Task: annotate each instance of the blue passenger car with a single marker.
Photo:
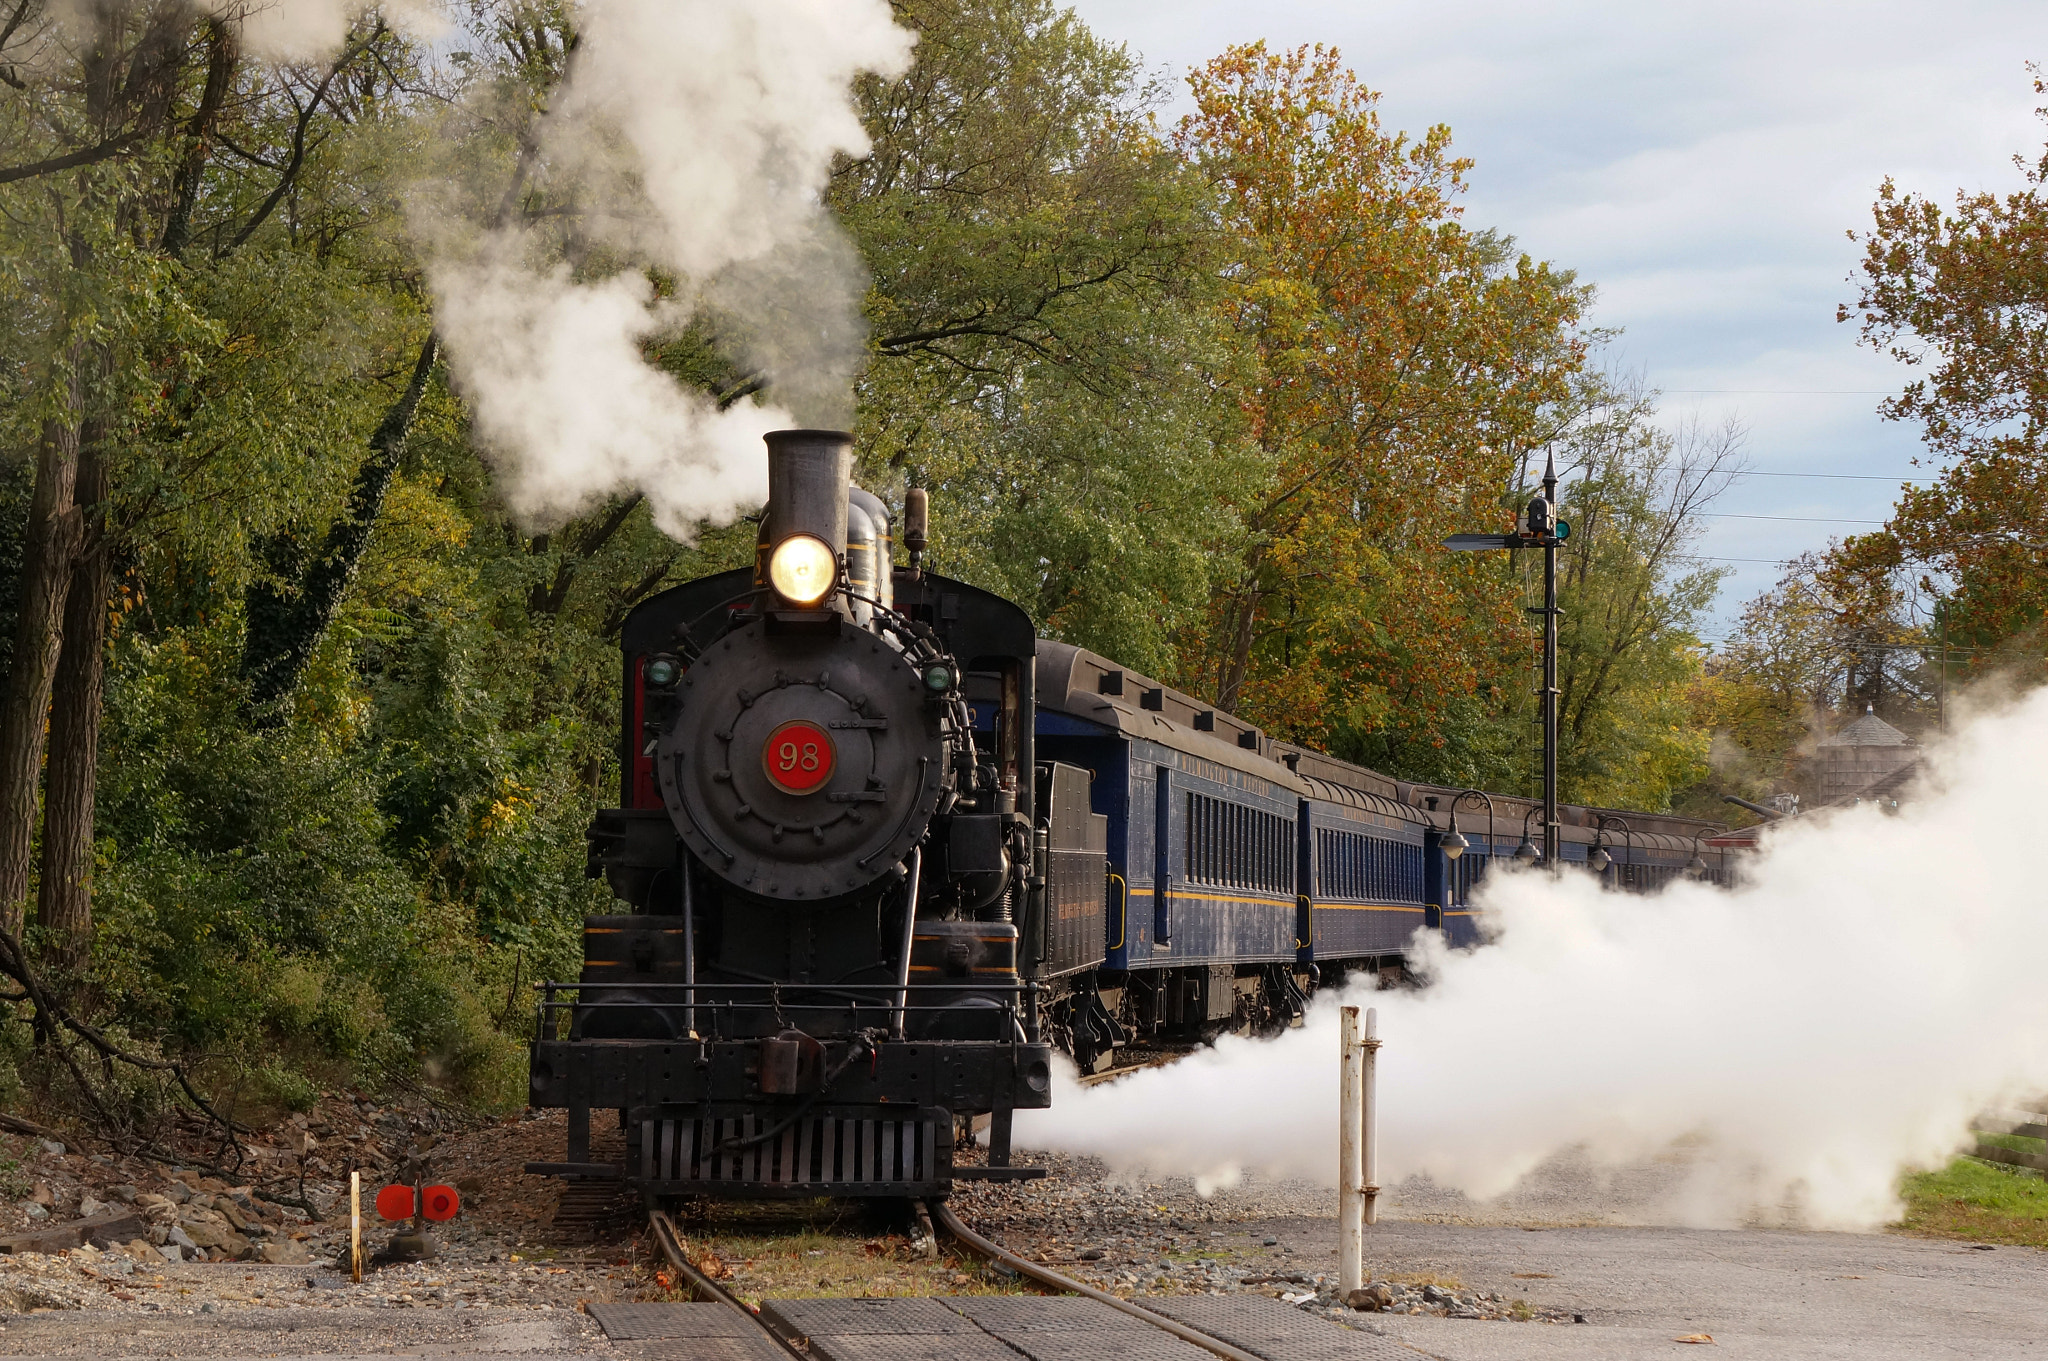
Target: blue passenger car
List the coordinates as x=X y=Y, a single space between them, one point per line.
x=1236 y=873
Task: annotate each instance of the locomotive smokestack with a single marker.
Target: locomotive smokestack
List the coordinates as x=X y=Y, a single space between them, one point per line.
x=804 y=531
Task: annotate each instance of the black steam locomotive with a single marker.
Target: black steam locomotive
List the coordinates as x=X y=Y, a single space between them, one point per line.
x=884 y=850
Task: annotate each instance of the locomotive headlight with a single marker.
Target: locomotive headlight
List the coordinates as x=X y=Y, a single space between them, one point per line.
x=802 y=569
x=938 y=678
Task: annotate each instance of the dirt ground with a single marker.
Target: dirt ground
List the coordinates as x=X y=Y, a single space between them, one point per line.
x=1568 y=1267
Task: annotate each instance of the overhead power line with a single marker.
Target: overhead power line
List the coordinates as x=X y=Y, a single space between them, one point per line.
x=1803 y=519
x=1850 y=477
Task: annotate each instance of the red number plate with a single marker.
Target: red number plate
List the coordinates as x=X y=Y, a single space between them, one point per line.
x=798 y=757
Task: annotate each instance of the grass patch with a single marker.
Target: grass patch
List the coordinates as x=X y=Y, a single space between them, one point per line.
x=1983 y=1202
x=2018 y=1143
x=1418 y=1279
x=827 y=1249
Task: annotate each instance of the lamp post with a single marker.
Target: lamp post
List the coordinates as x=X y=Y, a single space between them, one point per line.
x=1527 y=852
x=1697 y=866
x=1598 y=858
x=1453 y=843
x=1540 y=529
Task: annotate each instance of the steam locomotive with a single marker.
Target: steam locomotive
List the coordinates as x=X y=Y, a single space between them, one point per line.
x=882 y=850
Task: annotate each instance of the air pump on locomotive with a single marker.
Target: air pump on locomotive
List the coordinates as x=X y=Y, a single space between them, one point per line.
x=816 y=986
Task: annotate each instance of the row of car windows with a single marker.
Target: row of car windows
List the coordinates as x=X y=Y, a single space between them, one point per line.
x=1229 y=845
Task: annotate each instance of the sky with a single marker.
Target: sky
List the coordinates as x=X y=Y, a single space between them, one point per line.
x=1702 y=164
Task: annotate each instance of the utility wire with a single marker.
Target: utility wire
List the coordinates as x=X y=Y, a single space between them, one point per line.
x=1803 y=519
x=1850 y=477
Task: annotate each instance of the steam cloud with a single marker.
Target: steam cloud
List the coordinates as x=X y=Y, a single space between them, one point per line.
x=300 y=30
x=690 y=137
x=283 y=30
x=694 y=136
x=1840 y=1018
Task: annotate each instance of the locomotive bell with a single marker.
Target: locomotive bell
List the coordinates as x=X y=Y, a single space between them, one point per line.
x=805 y=528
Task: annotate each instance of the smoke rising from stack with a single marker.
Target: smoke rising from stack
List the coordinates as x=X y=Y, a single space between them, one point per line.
x=694 y=137
x=1800 y=1041
x=690 y=137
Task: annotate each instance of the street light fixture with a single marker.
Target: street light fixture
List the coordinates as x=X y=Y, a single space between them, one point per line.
x=1697 y=866
x=1599 y=858
x=1453 y=843
x=1541 y=529
x=1527 y=852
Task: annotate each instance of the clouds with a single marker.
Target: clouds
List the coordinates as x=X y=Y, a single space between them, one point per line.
x=1700 y=163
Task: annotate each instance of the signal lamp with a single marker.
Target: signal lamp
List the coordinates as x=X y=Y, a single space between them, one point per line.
x=663 y=671
x=802 y=570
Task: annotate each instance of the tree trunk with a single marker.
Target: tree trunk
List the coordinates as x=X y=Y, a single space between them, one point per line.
x=1241 y=628
x=54 y=531
x=64 y=896
x=283 y=632
x=221 y=55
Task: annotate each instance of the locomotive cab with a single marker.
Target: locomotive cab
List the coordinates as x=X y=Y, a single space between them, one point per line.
x=812 y=981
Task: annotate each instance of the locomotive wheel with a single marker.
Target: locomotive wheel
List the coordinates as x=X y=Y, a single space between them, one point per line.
x=802 y=767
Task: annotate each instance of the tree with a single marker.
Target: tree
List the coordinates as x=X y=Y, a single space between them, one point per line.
x=1840 y=632
x=1632 y=589
x=163 y=174
x=1963 y=295
x=1403 y=363
x=1046 y=357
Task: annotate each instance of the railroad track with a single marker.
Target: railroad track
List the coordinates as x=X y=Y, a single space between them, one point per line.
x=766 y=1335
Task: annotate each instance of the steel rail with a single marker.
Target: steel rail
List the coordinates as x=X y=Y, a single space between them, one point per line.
x=950 y=1222
x=706 y=1289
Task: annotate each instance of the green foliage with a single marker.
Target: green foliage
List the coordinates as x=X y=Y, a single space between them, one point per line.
x=1631 y=591
x=1984 y=1202
x=1046 y=355
x=1204 y=404
x=1837 y=635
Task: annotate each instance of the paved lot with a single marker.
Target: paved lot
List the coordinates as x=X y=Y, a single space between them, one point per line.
x=1760 y=1293
x=1782 y=1295
x=340 y=1332
x=1778 y=1294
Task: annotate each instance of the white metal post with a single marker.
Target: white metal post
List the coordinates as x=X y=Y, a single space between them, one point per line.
x=355 y=1227
x=1369 y=1055
x=1350 y=1155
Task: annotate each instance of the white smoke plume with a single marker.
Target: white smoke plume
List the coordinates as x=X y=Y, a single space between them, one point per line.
x=306 y=30
x=280 y=30
x=1839 y=1019
x=695 y=137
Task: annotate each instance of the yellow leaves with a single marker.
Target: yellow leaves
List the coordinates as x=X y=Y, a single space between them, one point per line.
x=1398 y=357
x=414 y=556
x=508 y=805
